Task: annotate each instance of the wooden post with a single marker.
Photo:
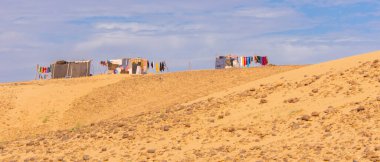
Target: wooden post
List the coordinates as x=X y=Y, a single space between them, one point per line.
x=87 y=70
x=52 y=70
x=67 y=71
x=71 y=71
x=36 y=72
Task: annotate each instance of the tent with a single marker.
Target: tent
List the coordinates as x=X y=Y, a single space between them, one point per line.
x=73 y=69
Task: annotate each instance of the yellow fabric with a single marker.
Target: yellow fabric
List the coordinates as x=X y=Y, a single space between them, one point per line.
x=157 y=68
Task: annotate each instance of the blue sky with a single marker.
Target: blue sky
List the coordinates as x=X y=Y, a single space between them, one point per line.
x=179 y=32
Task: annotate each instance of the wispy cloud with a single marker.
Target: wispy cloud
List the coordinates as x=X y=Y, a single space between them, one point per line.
x=264 y=12
x=133 y=27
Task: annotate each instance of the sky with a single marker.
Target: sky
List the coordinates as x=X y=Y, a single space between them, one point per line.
x=182 y=32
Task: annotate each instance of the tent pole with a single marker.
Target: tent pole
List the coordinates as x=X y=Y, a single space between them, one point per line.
x=67 y=71
x=36 y=72
x=52 y=72
x=87 y=69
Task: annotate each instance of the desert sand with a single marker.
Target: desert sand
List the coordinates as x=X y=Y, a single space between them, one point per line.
x=323 y=112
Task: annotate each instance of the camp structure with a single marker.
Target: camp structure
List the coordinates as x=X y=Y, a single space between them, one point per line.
x=229 y=61
x=117 y=66
x=73 y=69
x=138 y=66
x=127 y=66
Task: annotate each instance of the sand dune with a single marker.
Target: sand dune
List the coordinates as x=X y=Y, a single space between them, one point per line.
x=323 y=112
x=36 y=107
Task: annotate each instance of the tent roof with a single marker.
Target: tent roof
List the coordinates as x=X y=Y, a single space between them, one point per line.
x=65 y=62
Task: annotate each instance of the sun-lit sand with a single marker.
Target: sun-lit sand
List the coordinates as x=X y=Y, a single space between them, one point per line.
x=322 y=112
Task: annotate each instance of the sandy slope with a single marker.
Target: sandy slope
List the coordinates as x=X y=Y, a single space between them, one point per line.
x=323 y=112
x=27 y=105
x=35 y=107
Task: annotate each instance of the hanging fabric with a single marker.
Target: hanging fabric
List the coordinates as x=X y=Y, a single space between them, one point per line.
x=248 y=61
x=157 y=67
x=264 y=60
x=245 y=61
x=259 y=60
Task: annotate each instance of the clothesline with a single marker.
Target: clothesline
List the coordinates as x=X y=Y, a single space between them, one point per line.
x=43 y=72
x=134 y=66
x=235 y=61
x=247 y=61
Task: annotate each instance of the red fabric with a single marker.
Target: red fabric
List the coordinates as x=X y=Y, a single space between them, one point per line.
x=265 y=60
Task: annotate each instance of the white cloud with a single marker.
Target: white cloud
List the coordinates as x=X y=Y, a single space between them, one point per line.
x=125 y=40
x=263 y=12
x=145 y=28
x=133 y=27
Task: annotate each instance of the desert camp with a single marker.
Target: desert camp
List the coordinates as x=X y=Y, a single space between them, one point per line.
x=75 y=69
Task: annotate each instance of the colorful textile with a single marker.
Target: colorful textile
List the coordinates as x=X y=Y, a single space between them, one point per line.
x=264 y=60
x=247 y=61
x=43 y=70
